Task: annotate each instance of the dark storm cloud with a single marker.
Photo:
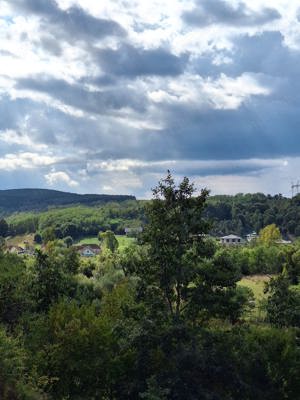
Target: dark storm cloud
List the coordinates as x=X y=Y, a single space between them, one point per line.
x=207 y=12
x=71 y=24
x=260 y=128
x=130 y=61
x=98 y=102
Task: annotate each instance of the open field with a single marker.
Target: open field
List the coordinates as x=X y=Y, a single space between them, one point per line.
x=20 y=239
x=88 y=240
x=257 y=284
x=123 y=240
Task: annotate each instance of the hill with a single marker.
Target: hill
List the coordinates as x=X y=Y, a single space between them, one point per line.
x=41 y=199
x=243 y=213
x=239 y=214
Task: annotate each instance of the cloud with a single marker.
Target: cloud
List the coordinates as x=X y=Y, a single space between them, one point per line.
x=26 y=160
x=261 y=53
x=73 y=24
x=50 y=44
x=77 y=96
x=60 y=177
x=221 y=93
x=112 y=94
x=130 y=61
x=208 y=12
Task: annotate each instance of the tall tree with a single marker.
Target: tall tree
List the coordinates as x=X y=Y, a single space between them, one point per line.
x=3 y=227
x=283 y=304
x=109 y=240
x=269 y=234
x=174 y=234
x=183 y=268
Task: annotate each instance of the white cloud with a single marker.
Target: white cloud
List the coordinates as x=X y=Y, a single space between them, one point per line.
x=222 y=93
x=12 y=137
x=229 y=93
x=25 y=160
x=53 y=178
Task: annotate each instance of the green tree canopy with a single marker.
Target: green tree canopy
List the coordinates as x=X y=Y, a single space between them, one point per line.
x=109 y=240
x=3 y=227
x=269 y=234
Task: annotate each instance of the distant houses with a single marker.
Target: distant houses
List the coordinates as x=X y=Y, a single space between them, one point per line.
x=233 y=240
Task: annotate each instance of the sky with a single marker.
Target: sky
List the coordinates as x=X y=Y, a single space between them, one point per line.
x=106 y=96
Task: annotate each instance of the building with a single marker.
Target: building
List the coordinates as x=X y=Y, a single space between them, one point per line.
x=133 y=231
x=88 y=250
x=231 y=240
x=15 y=250
x=251 y=236
x=282 y=241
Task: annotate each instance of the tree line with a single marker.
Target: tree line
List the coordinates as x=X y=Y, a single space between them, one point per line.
x=240 y=214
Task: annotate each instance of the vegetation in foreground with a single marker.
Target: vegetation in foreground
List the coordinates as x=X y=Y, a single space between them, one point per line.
x=163 y=318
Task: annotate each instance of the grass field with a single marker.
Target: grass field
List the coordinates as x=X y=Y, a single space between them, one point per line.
x=123 y=240
x=257 y=284
x=19 y=240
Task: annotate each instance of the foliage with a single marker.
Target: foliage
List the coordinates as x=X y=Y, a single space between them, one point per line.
x=49 y=281
x=38 y=238
x=160 y=319
x=68 y=241
x=239 y=214
x=245 y=213
x=13 y=382
x=283 y=304
x=3 y=227
x=181 y=269
x=174 y=237
x=13 y=299
x=48 y=235
x=269 y=234
x=108 y=240
x=80 y=221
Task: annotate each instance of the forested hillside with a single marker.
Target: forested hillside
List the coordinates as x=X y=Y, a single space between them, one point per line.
x=240 y=214
x=80 y=221
x=41 y=199
x=244 y=213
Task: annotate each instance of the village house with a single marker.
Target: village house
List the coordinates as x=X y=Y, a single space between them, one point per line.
x=282 y=241
x=88 y=250
x=251 y=236
x=15 y=250
x=231 y=240
x=133 y=231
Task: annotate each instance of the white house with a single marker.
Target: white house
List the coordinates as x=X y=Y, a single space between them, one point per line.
x=15 y=250
x=282 y=241
x=133 y=231
x=88 y=250
x=252 y=236
x=231 y=240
